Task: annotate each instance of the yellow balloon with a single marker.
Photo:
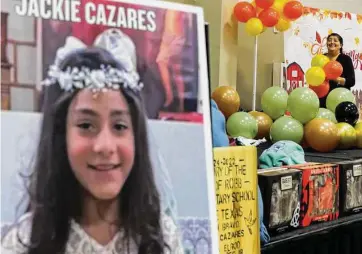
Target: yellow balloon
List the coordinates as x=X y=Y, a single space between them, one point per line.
x=358 y=128
x=347 y=135
x=319 y=61
x=254 y=27
x=315 y=76
x=283 y=25
x=279 y=6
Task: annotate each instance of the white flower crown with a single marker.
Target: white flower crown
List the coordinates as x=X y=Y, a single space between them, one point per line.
x=97 y=80
x=106 y=77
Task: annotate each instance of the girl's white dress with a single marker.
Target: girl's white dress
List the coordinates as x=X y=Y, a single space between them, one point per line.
x=81 y=243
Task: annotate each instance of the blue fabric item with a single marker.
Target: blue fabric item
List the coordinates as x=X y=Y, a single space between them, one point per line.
x=218 y=125
x=282 y=153
x=220 y=139
x=264 y=235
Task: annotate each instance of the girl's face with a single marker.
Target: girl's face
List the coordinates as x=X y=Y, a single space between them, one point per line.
x=334 y=44
x=100 y=142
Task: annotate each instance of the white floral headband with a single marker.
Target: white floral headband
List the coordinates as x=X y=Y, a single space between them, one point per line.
x=106 y=77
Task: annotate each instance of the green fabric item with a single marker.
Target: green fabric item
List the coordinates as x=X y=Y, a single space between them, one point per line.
x=282 y=153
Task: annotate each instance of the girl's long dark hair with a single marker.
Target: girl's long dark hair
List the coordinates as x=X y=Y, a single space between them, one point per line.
x=55 y=192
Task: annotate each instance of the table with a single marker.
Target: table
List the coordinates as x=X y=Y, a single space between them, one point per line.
x=342 y=236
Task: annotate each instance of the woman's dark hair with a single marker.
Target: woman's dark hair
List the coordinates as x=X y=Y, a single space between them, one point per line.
x=340 y=39
x=55 y=192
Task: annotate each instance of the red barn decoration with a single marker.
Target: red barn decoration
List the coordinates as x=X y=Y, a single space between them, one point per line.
x=295 y=77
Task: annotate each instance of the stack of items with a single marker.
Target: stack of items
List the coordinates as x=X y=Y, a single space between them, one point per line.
x=301 y=195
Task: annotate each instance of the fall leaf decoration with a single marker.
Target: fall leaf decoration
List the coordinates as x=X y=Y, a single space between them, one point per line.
x=326 y=12
x=333 y=15
x=309 y=10
x=359 y=18
x=318 y=38
x=322 y=14
x=314 y=11
x=317 y=47
x=307 y=45
x=296 y=31
x=357 y=41
x=348 y=15
x=306 y=11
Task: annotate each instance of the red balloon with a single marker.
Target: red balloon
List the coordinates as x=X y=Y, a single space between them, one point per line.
x=333 y=70
x=264 y=4
x=293 y=10
x=244 y=11
x=269 y=17
x=321 y=90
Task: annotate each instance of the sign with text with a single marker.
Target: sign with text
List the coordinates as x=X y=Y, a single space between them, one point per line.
x=235 y=170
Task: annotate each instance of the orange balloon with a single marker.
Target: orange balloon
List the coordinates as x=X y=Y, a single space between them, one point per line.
x=244 y=11
x=293 y=10
x=333 y=70
x=264 y=124
x=321 y=90
x=321 y=135
x=264 y=4
x=269 y=17
x=227 y=100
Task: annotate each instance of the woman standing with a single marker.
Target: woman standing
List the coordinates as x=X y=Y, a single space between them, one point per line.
x=335 y=53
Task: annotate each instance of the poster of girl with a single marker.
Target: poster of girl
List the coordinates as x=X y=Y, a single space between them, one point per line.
x=100 y=176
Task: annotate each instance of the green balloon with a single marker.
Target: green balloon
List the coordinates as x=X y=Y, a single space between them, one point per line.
x=242 y=124
x=303 y=104
x=326 y=114
x=286 y=128
x=274 y=102
x=338 y=95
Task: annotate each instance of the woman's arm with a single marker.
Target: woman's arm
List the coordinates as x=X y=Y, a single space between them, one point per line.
x=349 y=79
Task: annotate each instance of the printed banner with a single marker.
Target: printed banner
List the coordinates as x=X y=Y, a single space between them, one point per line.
x=308 y=37
x=161 y=44
x=235 y=172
